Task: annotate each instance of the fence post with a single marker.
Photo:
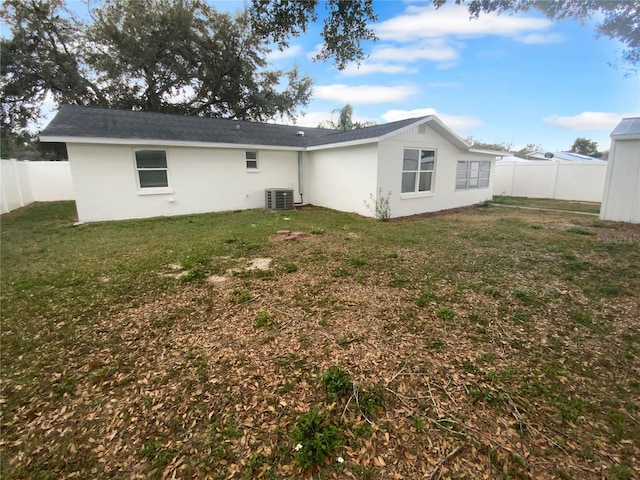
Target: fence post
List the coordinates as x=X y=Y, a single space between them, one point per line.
x=556 y=173
x=14 y=164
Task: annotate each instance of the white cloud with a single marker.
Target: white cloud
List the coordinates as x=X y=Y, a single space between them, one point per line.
x=48 y=110
x=435 y=50
x=363 y=94
x=587 y=120
x=276 y=54
x=315 y=52
x=426 y=22
x=313 y=119
x=455 y=122
x=404 y=58
x=354 y=70
x=540 y=38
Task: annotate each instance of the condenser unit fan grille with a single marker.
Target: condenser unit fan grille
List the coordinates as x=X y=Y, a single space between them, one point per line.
x=279 y=199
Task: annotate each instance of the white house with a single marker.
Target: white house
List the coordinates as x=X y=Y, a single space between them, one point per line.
x=129 y=164
x=621 y=199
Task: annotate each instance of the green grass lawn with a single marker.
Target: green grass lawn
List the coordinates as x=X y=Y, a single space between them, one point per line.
x=548 y=203
x=488 y=342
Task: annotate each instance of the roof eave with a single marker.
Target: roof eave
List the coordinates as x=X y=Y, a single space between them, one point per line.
x=623 y=136
x=352 y=143
x=165 y=143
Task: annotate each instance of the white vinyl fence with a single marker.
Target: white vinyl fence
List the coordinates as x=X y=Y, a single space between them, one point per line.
x=22 y=183
x=562 y=180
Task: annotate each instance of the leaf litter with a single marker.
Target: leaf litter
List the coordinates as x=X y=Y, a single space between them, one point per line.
x=184 y=385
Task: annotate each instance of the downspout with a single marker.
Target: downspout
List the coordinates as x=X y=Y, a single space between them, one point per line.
x=300 y=179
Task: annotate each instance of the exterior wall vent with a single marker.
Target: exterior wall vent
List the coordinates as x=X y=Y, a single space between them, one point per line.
x=278 y=198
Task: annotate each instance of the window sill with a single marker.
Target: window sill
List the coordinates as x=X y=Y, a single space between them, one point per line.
x=253 y=170
x=155 y=191
x=409 y=196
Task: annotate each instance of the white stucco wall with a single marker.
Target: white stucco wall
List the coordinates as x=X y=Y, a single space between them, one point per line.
x=621 y=199
x=200 y=180
x=341 y=178
x=444 y=194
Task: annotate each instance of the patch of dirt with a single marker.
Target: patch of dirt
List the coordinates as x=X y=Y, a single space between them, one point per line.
x=260 y=264
x=216 y=279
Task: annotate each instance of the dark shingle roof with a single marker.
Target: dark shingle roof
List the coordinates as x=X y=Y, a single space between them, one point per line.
x=73 y=121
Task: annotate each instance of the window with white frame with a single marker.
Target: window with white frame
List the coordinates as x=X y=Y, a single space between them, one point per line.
x=251 y=159
x=418 y=167
x=473 y=174
x=151 y=166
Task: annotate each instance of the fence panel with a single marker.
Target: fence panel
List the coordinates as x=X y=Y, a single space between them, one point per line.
x=22 y=183
x=562 y=180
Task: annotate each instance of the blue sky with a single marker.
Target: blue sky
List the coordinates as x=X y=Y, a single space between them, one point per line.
x=510 y=78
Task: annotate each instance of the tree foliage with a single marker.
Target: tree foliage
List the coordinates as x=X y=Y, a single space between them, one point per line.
x=584 y=146
x=529 y=148
x=620 y=20
x=43 y=59
x=501 y=147
x=159 y=55
x=344 y=121
x=346 y=25
x=347 y=22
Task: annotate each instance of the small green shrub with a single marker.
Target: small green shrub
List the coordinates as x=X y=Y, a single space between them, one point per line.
x=339 y=272
x=493 y=291
x=196 y=273
x=371 y=400
x=446 y=313
x=437 y=345
x=191 y=261
x=380 y=206
x=262 y=319
x=525 y=296
x=424 y=298
x=199 y=361
x=240 y=296
x=290 y=267
x=317 y=230
x=337 y=383
x=582 y=318
x=357 y=261
x=619 y=472
x=153 y=451
x=315 y=438
x=418 y=423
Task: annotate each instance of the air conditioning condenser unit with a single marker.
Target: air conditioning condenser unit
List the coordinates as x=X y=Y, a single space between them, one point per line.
x=278 y=198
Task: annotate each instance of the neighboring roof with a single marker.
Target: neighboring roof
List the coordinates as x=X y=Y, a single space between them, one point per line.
x=628 y=128
x=570 y=156
x=75 y=123
x=513 y=158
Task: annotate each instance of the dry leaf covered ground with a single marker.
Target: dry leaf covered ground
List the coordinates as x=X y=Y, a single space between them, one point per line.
x=486 y=343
